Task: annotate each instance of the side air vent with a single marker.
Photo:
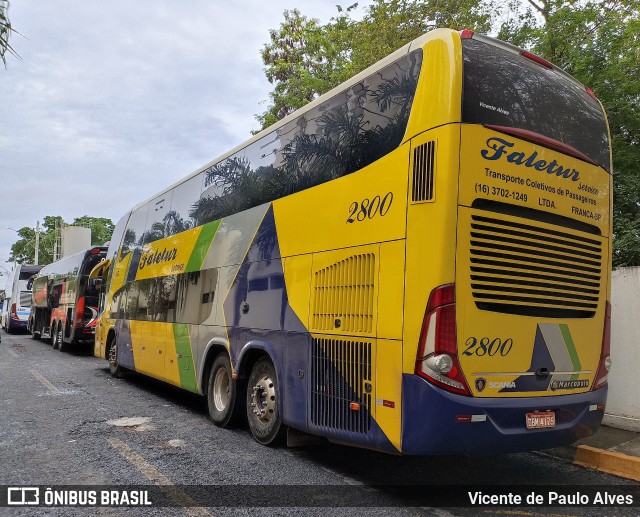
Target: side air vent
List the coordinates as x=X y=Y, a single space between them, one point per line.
x=423 y=172
x=341 y=385
x=343 y=295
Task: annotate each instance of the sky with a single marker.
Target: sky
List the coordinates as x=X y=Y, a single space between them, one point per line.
x=110 y=102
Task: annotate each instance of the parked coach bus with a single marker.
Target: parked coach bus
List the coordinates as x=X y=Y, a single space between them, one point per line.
x=65 y=301
x=417 y=262
x=17 y=303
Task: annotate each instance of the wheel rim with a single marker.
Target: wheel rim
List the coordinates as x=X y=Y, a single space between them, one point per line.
x=263 y=399
x=221 y=389
x=113 y=354
x=59 y=339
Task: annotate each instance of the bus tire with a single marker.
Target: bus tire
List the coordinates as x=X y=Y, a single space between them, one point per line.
x=224 y=393
x=115 y=369
x=263 y=413
x=55 y=336
x=62 y=346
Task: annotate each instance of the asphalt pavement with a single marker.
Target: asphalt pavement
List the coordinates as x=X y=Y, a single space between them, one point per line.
x=65 y=421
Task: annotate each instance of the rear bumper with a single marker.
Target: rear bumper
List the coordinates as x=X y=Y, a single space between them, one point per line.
x=85 y=335
x=429 y=421
x=17 y=324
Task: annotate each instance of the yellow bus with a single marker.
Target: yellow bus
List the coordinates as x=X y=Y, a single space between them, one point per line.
x=417 y=262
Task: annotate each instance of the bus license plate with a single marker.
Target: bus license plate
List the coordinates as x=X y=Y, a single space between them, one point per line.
x=541 y=420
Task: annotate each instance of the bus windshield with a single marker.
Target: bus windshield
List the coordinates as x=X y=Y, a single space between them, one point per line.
x=502 y=88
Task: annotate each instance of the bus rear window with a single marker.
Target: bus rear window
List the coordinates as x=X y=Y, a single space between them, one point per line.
x=505 y=89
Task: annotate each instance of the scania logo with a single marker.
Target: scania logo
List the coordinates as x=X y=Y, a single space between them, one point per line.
x=501 y=385
x=481 y=384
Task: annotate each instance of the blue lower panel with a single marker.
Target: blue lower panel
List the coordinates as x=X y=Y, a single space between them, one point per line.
x=429 y=421
x=374 y=439
x=125 y=344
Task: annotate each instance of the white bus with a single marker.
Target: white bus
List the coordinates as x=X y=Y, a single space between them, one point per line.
x=17 y=303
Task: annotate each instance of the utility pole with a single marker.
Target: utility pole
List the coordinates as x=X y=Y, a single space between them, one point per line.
x=37 y=250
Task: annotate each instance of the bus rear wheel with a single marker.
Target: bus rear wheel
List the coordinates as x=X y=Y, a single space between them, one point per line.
x=114 y=368
x=56 y=337
x=59 y=340
x=224 y=393
x=263 y=413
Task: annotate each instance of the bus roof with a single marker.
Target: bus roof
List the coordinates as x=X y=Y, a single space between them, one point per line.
x=67 y=264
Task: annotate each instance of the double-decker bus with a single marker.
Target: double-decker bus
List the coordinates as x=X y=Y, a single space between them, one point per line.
x=417 y=262
x=65 y=300
x=17 y=303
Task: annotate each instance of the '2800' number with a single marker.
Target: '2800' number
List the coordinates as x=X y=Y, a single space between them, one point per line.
x=488 y=346
x=369 y=208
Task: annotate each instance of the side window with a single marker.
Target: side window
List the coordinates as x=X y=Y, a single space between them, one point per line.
x=146 y=295
x=54 y=296
x=190 y=296
x=116 y=237
x=131 y=305
x=167 y=295
x=134 y=232
x=217 y=198
x=347 y=132
x=209 y=282
x=187 y=297
x=183 y=206
x=158 y=218
x=133 y=241
x=118 y=303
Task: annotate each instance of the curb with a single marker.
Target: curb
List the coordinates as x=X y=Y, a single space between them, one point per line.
x=616 y=463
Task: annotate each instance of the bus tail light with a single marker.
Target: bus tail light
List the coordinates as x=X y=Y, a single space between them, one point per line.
x=591 y=92
x=437 y=359
x=605 y=356
x=537 y=59
x=14 y=312
x=77 y=320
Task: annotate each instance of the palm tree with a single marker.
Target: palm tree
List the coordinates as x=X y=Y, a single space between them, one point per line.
x=5 y=32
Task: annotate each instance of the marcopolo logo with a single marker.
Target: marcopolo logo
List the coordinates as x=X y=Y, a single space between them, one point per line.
x=569 y=385
x=500 y=148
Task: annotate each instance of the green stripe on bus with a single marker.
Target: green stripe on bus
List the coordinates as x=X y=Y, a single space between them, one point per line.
x=571 y=348
x=184 y=353
x=202 y=245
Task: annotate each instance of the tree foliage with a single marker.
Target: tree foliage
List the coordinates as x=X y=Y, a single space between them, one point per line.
x=305 y=59
x=23 y=250
x=597 y=41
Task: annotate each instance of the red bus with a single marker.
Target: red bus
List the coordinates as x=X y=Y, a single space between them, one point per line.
x=65 y=300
